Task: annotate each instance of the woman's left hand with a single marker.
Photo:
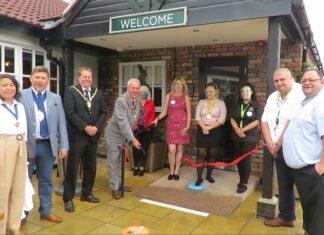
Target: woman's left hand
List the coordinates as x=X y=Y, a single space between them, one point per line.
x=184 y=130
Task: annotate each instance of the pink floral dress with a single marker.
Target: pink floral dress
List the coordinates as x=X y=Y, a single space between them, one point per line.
x=176 y=121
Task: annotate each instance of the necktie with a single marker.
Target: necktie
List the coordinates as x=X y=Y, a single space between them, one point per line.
x=86 y=94
x=41 y=108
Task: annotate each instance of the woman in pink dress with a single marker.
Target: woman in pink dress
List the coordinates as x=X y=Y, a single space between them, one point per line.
x=178 y=109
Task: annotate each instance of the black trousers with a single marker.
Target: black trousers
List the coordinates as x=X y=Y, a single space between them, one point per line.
x=145 y=138
x=244 y=166
x=87 y=152
x=286 y=184
x=310 y=186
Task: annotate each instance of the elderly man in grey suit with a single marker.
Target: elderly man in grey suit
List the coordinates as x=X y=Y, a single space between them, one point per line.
x=46 y=136
x=119 y=130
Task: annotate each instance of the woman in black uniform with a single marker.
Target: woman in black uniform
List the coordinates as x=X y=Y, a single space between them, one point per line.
x=245 y=120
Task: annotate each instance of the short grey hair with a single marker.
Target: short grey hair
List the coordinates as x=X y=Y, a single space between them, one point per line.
x=132 y=80
x=145 y=93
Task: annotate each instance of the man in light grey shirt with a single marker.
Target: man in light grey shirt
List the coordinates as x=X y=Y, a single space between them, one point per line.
x=303 y=147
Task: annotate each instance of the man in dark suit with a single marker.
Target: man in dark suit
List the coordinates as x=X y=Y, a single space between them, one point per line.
x=85 y=111
x=46 y=136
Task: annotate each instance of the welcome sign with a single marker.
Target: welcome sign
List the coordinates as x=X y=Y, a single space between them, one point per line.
x=148 y=20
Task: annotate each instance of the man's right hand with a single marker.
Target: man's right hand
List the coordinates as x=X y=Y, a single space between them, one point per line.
x=272 y=147
x=90 y=130
x=136 y=143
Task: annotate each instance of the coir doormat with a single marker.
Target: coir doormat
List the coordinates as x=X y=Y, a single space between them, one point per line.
x=219 y=198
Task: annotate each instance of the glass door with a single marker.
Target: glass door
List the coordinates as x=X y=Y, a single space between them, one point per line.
x=228 y=73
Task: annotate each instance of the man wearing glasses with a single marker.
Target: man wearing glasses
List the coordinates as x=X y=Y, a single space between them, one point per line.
x=280 y=108
x=304 y=151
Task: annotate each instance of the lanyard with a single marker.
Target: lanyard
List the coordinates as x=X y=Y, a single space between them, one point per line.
x=39 y=100
x=15 y=114
x=242 y=114
x=210 y=105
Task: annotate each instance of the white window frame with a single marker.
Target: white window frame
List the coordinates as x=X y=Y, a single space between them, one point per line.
x=18 y=52
x=144 y=64
x=57 y=78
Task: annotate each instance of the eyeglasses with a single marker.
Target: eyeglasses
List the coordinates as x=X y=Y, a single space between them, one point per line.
x=309 y=80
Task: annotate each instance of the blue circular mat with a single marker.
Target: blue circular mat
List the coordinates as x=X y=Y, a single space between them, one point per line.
x=192 y=186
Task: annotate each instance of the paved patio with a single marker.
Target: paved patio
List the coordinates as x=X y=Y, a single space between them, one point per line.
x=111 y=216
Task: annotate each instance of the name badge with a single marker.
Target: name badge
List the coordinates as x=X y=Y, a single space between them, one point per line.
x=40 y=115
x=172 y=102
x=208 y=116
x=249 y=114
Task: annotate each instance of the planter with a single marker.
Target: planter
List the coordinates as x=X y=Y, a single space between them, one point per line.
x=155 y=157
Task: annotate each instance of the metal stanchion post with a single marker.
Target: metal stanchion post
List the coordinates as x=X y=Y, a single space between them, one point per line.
x=122 y=175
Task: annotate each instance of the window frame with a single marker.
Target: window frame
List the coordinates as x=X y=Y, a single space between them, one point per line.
x=146 y=64
x=18 y=62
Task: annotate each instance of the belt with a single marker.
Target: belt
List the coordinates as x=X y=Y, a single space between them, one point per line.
x=18 y=137
x=39 y=141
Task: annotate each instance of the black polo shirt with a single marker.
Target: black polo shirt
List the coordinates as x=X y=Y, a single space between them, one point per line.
x=253 y=111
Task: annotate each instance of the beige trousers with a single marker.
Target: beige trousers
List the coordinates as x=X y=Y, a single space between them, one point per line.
x=13 y=163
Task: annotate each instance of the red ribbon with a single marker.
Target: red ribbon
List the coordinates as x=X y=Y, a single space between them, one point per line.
x=237 y=160
x=123 y=149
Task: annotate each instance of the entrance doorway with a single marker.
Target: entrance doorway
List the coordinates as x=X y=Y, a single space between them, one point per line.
x=229 y=73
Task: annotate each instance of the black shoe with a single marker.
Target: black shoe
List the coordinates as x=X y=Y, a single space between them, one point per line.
x=135 y=172
x=210 y=179
x=176 y=177
x=170 y=177
x=68 y=206
x=141 y=173
x=89 y=198
x=241 y=188
x=199 y=182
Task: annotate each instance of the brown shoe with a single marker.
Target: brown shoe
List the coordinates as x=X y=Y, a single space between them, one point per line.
x=278 y=222
x=115 y=194
x=127 y=189
x=14 y=232
x=52 y=218
x=23 y=222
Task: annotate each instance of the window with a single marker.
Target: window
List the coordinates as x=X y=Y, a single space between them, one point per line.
x=7 y=59
x=54 y=77
x=30 y=59
x=20 y=61
x=155 y=71
x=27 y=63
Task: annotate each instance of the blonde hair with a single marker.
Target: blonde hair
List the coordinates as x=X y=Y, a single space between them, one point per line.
x=81 y=69
x=214 y=86
x=40 y=69
x=182 y=81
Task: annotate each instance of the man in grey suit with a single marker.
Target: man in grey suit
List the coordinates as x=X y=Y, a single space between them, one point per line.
x=119 y=130
x=46 y=136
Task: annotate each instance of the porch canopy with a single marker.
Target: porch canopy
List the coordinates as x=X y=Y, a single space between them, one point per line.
x=204 y=22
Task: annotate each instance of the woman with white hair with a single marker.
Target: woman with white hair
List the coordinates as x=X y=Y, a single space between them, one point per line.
x=143 y=130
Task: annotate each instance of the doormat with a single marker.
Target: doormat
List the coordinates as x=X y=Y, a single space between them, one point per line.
x=220 y=198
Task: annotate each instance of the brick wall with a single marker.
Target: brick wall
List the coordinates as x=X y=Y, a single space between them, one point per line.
x=184 y=61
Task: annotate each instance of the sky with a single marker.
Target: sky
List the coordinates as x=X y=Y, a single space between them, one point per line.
x=315 y=12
